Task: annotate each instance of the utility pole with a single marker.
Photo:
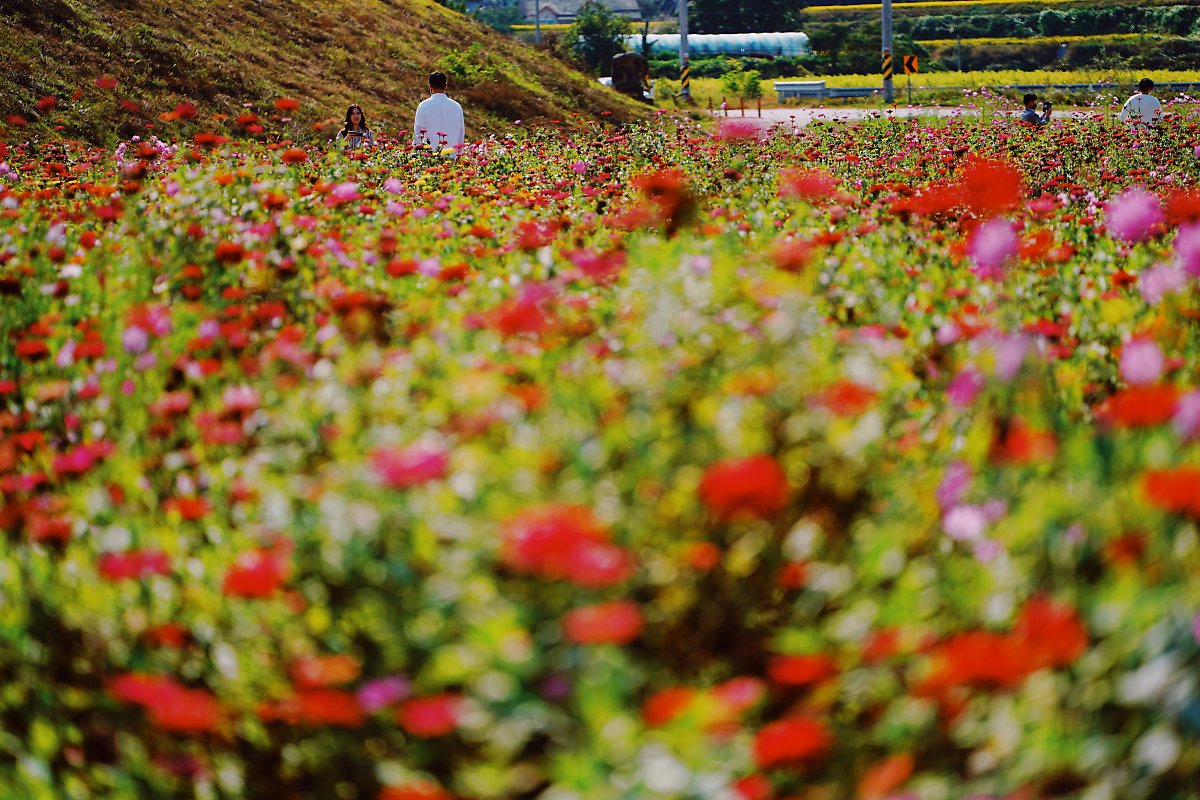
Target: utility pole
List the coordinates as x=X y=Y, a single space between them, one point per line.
x=889 y=95
x=537 y=21
x=685 y=72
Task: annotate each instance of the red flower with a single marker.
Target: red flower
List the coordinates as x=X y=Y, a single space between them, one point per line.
x=791 y=741
x=1020 y=444
x=415 y=790
x=188 y=508
x=564 y=543
x=32 y=350
x=847 y=399
x=256 y=573
x=286 y=105
x=667 y=190
x=1176 y=490
x=106 y=82
x=428 y=717
x=981 y=658
x=991 y=186
x=172 y=706
x=663 y=707
x=754 y=486
x=294 y=155
x=46 y=103
x=133 y=564
x=405 y=467
x=186 y=711
x=185 y=111
x=737 y=695
x=791 y=255
x=229 y=252
x=329 y=707
x=617 y=622
x=807 y=184
x=319 y=671
x=801 y=670
x=1141 y=406
x=1051 y=632
x=528 y=313
x=753 y=787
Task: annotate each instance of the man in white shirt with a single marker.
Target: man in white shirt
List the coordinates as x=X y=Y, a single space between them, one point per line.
x=1142 y=107
x=439 y=121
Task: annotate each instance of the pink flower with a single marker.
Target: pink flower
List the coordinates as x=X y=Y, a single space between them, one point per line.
x=1187 y=249
x=1141 y=362
x=135 y=340
x=579 y=167
x=1187 y=416
x=1160 y=280
x=965 y=523
x=1132 y=215
x=404 y=467
x=993 y=244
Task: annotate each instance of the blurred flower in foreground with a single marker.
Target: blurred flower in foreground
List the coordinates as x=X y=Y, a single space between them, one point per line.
x=1133 y=215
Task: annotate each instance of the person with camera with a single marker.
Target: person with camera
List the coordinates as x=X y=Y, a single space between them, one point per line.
x=356 y=133
x=1142 y=107
x=1031 y=115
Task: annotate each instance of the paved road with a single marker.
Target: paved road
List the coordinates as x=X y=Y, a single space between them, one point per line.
x=803 y=116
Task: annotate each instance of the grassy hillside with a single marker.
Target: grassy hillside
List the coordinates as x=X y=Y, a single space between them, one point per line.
x=220 y=55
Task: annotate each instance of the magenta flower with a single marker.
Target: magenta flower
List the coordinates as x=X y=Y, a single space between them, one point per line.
x=1132 y=215
x=377 y=695
x=1141 y=362
x=965 y=387
x=993 y=244
x=954 y=485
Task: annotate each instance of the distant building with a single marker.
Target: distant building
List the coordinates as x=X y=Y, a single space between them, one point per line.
x=556 y=11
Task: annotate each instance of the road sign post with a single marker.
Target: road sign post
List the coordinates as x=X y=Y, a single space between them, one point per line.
x=685 y=72
x=910 y=66
x=886 y=69
x=889 y=95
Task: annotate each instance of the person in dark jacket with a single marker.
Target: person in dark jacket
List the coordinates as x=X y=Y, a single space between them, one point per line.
x=1030 y=114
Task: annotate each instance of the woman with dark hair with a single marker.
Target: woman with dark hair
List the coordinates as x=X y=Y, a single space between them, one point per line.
x=356 y=133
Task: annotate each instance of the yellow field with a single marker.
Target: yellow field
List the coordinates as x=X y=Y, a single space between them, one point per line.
x=933 y=4
x=706 y=90
x=1016 y=40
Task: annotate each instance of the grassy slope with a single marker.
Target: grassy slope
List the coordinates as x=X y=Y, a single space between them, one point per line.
x=221 y=54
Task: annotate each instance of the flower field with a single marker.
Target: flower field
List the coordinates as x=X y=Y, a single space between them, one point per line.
x=856 y=461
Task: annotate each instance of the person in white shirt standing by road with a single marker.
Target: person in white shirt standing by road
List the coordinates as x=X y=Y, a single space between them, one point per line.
x=1142 y=107
x=439 y=123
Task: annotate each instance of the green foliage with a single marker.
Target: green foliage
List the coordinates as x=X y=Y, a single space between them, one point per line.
x=596 y=35
x=744 y=16
x=752 y=85
x=469 y=66
x=500 y=17
x=732 y=83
